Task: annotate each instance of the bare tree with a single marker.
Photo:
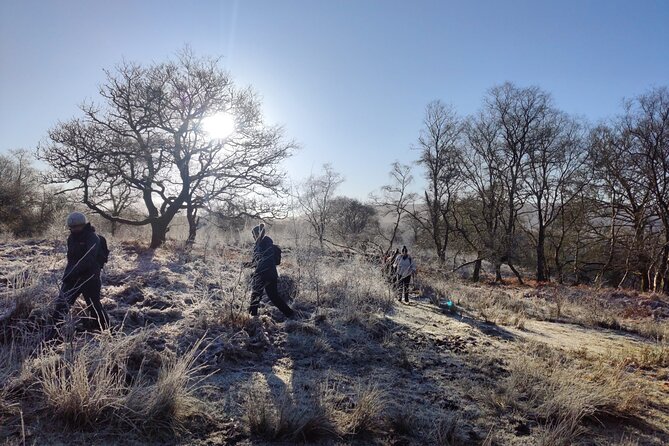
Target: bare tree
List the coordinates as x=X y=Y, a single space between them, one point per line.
x=568 y=236
x=479 y=215
x=315 y=198
x=439 y=145
x=148 y=135
x=395 y=200
x=646 y=125
x=628 y=194
x=555 y=176
x=244 y=176
x=521 y=113
x=115 y=197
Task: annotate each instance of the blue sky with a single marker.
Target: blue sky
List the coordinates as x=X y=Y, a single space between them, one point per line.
x=348 y=79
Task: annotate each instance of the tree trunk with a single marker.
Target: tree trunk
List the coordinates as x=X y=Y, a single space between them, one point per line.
x=193 y=220
x=441 y=253
x=476 y=275
x=663 y=267
x=577 y=271
x=612 y=246
x=159 y=230
x=645 y=280
x=498 y=271
x=518 y=276
x=541 y=254
x=559 y=269
x=113 y=228
x=662 y=282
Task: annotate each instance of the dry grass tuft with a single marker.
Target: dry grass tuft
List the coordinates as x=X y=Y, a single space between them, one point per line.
x=365 y=415
x=165 y=404
x=404 y=421
x=656 y=330
x=281 y=415
x=91 y=386
x=647 y=357
x=444 y=431
x=562 y=432
x=82 y=390
x=286 y=417
x=561 y=395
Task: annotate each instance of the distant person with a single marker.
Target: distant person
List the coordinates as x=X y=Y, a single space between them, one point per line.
x=265 y=276
x=86 y=255
x=404 y=268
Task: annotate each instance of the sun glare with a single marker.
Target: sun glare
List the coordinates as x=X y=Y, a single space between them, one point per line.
x=219 y=126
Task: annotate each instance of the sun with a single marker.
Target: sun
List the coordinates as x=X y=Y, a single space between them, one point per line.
x=219 y=126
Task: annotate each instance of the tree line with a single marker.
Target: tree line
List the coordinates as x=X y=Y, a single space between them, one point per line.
x=520 y=183
x=523 y=184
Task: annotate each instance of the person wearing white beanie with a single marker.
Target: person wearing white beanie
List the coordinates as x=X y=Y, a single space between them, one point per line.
x=405 y=268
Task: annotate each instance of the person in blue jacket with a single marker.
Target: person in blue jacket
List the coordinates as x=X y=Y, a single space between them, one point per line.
x=265 y=277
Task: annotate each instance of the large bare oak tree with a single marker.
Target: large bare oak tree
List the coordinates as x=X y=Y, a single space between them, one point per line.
x=147 y=136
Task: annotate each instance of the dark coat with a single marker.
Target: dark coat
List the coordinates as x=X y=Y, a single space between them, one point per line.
x=263 y=259
x=82 y=255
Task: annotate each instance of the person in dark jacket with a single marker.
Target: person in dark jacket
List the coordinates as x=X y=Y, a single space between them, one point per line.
x=82 y=273
x=265 y=276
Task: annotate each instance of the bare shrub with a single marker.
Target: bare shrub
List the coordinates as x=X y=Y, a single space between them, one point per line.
x=219 y=299
x=27 y=207
x=357 y=286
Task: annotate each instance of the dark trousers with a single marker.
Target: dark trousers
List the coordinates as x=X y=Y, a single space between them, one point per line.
x=403 y=284
x=91 y=290
x=269 y=285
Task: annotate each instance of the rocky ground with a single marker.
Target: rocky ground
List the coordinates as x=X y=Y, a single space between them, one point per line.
x=510 y=365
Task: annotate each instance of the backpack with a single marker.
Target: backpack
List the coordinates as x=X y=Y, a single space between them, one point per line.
x=103 y=252
x=277 y=255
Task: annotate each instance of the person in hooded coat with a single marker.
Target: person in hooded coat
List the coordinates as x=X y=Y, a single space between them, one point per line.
x=265 y=277
x=82 y=273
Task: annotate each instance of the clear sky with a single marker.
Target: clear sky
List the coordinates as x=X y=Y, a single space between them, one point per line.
x=348 y=79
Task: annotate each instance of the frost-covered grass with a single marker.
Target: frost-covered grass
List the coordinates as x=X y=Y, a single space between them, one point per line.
x=186 y=364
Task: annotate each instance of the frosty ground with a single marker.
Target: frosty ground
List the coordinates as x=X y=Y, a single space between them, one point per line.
x=513 y=365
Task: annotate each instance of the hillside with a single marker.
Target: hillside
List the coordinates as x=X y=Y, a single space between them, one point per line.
x=185 y=364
